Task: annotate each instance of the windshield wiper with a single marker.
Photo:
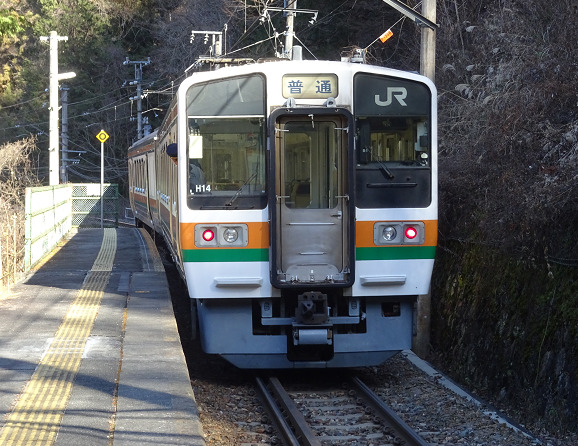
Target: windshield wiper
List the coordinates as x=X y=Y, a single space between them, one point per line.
x=234 y=197
x=387 y=173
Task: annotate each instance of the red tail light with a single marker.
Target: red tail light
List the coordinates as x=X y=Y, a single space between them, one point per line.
x=208 y=235
x=410 y=232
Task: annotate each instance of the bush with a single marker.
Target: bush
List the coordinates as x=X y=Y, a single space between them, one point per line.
x=16 y=173
x=508 y=124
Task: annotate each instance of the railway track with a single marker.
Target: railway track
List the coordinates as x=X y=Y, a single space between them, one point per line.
x=346 y=415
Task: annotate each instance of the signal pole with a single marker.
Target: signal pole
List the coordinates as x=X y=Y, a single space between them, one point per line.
x=138 y=66
x=53 y=137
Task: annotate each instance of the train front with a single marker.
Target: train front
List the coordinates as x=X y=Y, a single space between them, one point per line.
x=309 y=213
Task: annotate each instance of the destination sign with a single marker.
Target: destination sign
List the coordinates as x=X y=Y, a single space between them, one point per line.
x=310 y=86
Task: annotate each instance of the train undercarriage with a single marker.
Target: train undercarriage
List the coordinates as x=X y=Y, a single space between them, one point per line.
x=306 y=329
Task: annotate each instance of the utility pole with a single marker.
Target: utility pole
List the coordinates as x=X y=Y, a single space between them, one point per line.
x=290 y=33
x=426 y=21
x=64 y=137
x=53 y=138
x=421 y=344
x=290 y=10
x=428 y=41
x=138 y=66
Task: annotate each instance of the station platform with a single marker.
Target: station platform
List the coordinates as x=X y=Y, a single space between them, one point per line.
x=89 y=349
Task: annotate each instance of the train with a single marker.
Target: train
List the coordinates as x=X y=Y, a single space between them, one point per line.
x=299 y=201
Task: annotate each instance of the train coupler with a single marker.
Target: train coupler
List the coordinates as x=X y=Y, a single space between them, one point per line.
x=312 y=308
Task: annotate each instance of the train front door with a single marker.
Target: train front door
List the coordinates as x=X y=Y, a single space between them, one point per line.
x=312 y=229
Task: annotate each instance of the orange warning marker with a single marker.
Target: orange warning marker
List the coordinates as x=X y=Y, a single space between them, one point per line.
x=386 y=35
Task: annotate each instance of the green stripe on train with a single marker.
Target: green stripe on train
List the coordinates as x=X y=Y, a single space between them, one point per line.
x=395 y=253
x=225 y=255
x=262 y=255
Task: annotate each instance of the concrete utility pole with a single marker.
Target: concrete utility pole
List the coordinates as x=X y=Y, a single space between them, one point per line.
x=421 y=342
x=428 y=41
x=64 y=137
x=53 y=121
x=290 y=10
x=426 y=21
x=290 y=33
x=138 y=66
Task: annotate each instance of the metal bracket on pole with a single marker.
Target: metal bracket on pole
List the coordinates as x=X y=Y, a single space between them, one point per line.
x=419 y=19
x=290 y=10
x=138 y=66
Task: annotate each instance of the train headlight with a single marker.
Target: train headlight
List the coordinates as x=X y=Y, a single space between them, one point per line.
x=389 y=233
x=230 y=235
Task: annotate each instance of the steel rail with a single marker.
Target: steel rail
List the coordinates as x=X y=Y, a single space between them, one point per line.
x=288 y=436
x=283 y=408
x=400 y=427
x=301 y=426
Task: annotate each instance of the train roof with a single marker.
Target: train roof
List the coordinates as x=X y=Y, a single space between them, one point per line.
x=143 y=143
x=302 y=67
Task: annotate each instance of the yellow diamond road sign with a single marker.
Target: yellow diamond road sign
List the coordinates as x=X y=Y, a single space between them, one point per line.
x=102 y=136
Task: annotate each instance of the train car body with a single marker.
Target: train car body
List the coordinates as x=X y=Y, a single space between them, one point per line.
x=299 y=199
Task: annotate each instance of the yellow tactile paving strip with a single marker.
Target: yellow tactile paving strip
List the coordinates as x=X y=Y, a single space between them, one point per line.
x=38 y=413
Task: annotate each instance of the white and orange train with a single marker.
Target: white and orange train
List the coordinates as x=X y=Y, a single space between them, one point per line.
x=299 y=199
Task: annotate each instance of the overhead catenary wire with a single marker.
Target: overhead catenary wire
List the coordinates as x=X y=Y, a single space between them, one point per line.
x=168 y=87
x=400 y=20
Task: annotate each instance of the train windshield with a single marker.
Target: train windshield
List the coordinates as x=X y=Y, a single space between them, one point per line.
x=225 y=144
x=393 y=140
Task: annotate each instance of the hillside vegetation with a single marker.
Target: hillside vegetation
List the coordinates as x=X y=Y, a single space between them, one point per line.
x=505 y=298
x=505 y=293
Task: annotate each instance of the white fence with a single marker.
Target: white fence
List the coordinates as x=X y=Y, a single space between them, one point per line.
x=52 y=211
x=48 y=219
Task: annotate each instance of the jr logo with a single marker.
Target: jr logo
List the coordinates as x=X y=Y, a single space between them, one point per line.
x=400 y=93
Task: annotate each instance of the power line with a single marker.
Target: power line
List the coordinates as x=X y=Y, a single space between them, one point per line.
x=19 y=104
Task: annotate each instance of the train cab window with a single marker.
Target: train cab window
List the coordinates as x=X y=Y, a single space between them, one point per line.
x=393 y=138
x=393 y=162
x=226 y=144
